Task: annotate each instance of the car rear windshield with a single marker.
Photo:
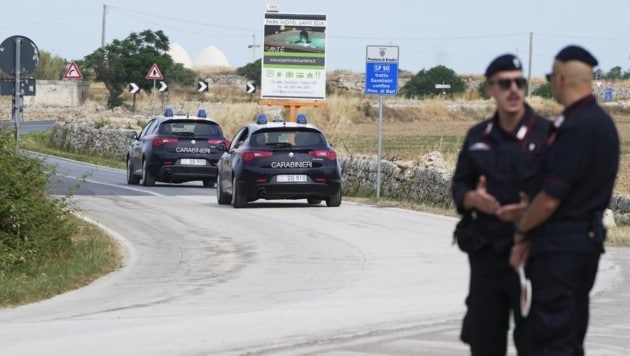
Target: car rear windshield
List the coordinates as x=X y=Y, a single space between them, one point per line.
x=289 y=138
x=191 y=128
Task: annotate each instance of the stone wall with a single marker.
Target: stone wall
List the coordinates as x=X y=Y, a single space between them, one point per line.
x=82 y=136
x=428 y=180
x=55 y=92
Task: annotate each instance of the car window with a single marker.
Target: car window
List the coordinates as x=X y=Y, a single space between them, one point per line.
x=191 y=128
x=148 y=128
x=307 y=138
x=288 y=138
x=239 y=138
x=206 y=129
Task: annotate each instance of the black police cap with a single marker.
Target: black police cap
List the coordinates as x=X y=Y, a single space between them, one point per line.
x=503 y=62
x=576 y=53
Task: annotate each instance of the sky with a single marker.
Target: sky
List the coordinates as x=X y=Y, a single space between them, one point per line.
x=462 y=35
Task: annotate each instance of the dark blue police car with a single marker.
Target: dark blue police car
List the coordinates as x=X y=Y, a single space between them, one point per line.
x=175 y=149
x=279 y=160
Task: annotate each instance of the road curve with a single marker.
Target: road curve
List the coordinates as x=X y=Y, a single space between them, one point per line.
x=276 y=278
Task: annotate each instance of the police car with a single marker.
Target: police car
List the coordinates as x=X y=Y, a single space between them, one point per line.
x=176 y=149
x=279 y=160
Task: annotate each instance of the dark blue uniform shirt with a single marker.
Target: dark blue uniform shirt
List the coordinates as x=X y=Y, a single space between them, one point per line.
x=581 y=169
x=512 y=163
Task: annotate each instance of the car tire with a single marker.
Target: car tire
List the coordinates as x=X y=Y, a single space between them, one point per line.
x=314 y=201
x=147 y=178
x=334 y=200
x=222 y=198
x=209 y=183
x=131 y=178
x=238 y=200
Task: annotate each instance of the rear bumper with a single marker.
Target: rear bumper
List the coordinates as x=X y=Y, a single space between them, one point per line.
x=177 y=173
x=271 y=189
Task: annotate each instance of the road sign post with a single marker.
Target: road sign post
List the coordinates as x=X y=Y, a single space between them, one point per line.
x=250 y=88
x=133 y=89
x=72 y=72
x=18 y=56
x=443 y=87
x=155 y=75
x=381 y=78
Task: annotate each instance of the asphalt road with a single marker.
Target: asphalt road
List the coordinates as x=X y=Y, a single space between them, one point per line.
x=281 y=278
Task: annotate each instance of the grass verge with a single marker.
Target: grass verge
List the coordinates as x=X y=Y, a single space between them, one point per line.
x=92 y=254
x=38 y=142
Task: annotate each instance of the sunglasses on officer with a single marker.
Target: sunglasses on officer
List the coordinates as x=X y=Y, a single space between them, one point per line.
x=506 y=83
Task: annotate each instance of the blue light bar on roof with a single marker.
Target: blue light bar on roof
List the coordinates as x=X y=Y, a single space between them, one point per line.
x=261 y=119
x=300 y=119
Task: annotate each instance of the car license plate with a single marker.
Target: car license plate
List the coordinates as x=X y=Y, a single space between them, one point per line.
x=193 y=162
x=291 y=178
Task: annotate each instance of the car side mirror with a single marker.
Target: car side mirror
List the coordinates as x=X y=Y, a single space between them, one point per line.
x=132 y=135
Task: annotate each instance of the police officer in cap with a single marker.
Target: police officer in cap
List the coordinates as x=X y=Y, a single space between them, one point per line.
x=498 y=169
x=561 y=235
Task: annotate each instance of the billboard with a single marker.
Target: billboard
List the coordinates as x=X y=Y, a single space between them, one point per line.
x=294 y=56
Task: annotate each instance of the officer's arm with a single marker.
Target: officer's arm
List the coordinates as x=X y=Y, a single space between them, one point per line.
x=541 y=208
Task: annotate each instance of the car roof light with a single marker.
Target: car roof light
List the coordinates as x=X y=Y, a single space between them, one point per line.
x=301 y=119
x=261 y=119
x=277 y=118
x=201 y=113
x=168 y=112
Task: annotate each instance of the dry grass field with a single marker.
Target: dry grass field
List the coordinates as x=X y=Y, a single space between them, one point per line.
x=410 y=128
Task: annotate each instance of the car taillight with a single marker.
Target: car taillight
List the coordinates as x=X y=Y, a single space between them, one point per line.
x=158 y=141
x=250 y=155
x=330 y=154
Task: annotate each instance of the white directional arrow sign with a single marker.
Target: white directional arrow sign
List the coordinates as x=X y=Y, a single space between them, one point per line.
x=202 y=86
x=133 y=88
x=163 y=87
x=251 y=87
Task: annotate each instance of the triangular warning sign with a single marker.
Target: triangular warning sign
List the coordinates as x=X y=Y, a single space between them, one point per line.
x=72 y=72
x=154 y=73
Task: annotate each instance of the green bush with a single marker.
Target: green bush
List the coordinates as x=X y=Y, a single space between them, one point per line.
x=33 y=226
x=543 y=91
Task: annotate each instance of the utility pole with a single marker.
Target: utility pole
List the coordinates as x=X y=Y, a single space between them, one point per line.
x=103 y=26
x=529 y=69
x=253 y=46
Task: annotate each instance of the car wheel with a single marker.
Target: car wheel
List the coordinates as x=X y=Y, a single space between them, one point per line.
x=314 y=201
x=209 y=183
x=238 y=200
x=222 y=198
x=147 y=178
x=334 y=200
x=131 y=179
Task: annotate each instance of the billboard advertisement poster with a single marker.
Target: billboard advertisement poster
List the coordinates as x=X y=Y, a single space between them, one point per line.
x=294 y=56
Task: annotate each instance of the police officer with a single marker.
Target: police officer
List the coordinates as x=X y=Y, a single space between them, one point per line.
x=497 y=170
x=562 y=231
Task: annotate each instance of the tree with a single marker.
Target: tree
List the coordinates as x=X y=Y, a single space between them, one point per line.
x=122 y=62
x=614 y=73
x=50 y=67
x=544 y=91
x=251 y=71
x=423 y=83
x=179 y=74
